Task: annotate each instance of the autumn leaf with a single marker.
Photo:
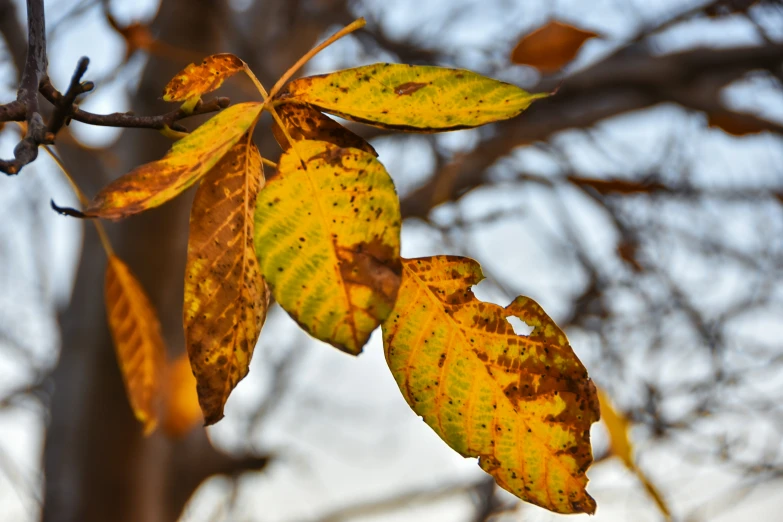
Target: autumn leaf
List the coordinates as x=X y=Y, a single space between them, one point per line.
x=550 y=47
x=618 y=427
x=195 y=80
x=225 y=296
x=328 y=241
x=522 y=404
x=410 y=97
x=738 y=124
x=305 y=123
x=137 y=340
x=190 y=158
x=182 y=411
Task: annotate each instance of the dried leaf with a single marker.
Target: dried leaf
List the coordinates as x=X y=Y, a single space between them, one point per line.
x=618 y=426
x=305 y=123
x=550 y=47
x=225 y=296
x=328 y=241
x=410 y=97
x=195 y=80
x=137 y=340
x=737 y=124
x=522 y=404
x=190 y=158
x=183 y=412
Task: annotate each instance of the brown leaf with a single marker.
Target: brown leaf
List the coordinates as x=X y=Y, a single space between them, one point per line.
x=550 y=47
x=617 y=186
x=225 y=296
x=736 y=124
x=137 y=340
x=305 y=123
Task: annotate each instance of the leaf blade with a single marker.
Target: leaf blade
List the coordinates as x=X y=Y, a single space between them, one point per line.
x=328 y=241
x=550 y=47
x=195 y=80
x=189 y=159
x=305 y=123
x=522 y=404
x=410 y=98
x=226 y=299
x=182 y=411
x=137 y=340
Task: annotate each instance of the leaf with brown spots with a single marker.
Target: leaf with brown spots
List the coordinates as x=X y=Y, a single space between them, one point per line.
x=190 y=158
x=137 y=340
x=195 y=80
x=522 y=404
x=305 y=123
x=551 y=47
x=410 y=97
x=225 y=295
x=182 y=411
x=328 y=241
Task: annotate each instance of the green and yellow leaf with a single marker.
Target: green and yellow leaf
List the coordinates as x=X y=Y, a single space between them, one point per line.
x=182 y=412
x=522 y=404
x=195 y=80
x=328 y=241
x=190 y=158
x=137 y=340
x=410 y=97
x=225 y=295
x=305 y=123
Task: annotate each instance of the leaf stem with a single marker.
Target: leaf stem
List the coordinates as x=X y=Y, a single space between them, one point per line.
x=104 y=237
x=348 y=29
x=268 y=163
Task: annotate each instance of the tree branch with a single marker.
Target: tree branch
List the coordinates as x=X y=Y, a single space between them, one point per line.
x=631 y=79
x=33 y=74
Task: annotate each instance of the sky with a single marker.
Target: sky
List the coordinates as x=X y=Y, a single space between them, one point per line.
x=345 y=433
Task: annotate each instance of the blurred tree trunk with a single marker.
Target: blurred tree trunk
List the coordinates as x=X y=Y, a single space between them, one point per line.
x=98 y=467
x=97 y=464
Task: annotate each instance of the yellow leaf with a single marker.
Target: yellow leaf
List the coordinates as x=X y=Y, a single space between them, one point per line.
x=522 y=404
x=225 y=296
x=190 y=158
x=618 y=426
x=410 y=97
x=209 y=75
x=137 y=340
x=550 y=47
x=328 y=241
x=305 y=123
x=182 y=412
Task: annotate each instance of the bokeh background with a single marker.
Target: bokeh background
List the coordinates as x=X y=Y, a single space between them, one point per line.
x=642 y=206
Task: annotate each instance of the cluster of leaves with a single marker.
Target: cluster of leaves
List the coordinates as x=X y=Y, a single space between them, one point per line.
x=322 y=238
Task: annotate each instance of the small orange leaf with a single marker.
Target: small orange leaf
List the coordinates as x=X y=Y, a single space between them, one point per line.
x=550 y=47
x=305 y=123
x=182 y=412
x=195 y=80
x=522 y=404
x=137 y=340
x=187 y=162
x=225 y=296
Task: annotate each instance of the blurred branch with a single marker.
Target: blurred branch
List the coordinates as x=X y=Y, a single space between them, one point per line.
x=628 y=80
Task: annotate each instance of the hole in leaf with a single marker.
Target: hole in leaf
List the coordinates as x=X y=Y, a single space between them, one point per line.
x=520 y=327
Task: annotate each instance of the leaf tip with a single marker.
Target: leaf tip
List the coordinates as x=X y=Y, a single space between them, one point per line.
x=67 y=211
